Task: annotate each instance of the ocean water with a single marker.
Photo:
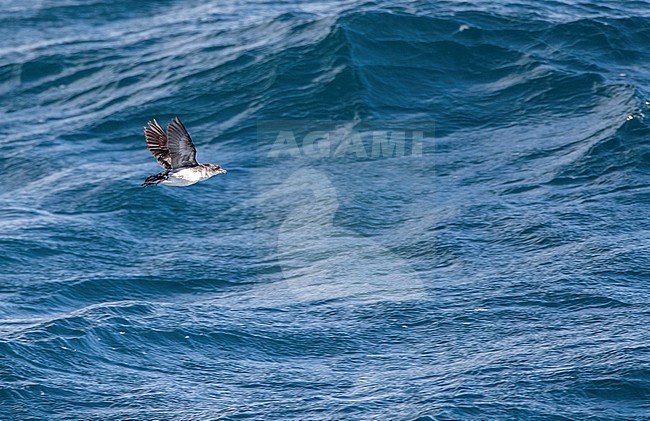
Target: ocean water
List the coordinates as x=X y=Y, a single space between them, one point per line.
x=433 y=210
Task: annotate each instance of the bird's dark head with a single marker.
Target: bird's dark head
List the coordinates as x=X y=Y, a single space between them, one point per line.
x=214 y=169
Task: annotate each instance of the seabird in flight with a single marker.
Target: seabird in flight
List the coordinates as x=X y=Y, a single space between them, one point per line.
x=176 y=153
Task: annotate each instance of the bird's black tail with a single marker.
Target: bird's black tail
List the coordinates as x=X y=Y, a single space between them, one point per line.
x=155 y=179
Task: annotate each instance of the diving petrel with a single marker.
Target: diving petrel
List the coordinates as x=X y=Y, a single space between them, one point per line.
x=176 y=153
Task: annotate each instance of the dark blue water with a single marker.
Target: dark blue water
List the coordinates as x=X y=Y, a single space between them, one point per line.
x=433 y=210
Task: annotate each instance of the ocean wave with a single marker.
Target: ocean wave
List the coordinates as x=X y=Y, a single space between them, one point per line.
x=521 y=225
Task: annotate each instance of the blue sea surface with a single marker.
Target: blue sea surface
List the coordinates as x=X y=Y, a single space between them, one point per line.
x=433 y=210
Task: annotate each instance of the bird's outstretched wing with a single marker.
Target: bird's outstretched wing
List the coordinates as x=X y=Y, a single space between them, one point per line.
x=157 y=144
x=179 y=143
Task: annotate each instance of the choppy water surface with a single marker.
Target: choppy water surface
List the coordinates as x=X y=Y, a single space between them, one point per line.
x=496 y=267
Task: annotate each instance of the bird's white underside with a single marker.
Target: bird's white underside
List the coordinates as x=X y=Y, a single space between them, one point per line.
x=185 y=177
